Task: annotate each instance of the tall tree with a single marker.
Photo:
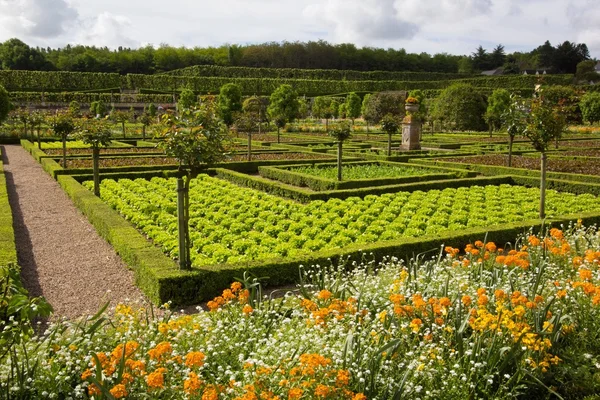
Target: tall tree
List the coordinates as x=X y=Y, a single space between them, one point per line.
x=390 y=125
x=63 y=125
x=340 y=132
x=368 y=111
x=5 y=105
x=187 y=99
x=498 y=104
x=514 y=120
x=480 y=59
x=462 y=107
x=590 y=107
x=322 y=109
x=497 y=57
x=283 y=106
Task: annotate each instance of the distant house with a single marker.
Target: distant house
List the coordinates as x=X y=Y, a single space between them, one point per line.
x=534 y=72
x=497 y=71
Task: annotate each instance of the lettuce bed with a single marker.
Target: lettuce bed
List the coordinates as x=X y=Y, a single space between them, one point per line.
x=234 y=225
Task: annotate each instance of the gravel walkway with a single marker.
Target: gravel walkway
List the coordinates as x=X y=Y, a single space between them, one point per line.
x=61 y=255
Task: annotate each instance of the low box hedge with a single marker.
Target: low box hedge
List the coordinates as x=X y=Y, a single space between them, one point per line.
x=8 y=250
x=305 y=195
x=499 y=170
x=285 y=174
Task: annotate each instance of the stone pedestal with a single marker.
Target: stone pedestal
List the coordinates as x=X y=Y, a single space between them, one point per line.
x=411 y=133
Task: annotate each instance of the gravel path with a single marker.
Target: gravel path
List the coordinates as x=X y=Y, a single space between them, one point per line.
x=61 y=255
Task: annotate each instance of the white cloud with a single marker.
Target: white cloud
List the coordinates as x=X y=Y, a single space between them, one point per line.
x=107 y=30
x=584 y=16
x=41 y=19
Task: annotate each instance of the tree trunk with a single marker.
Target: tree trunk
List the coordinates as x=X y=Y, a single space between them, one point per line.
x=510 y=144
x=339 y=161
x=182 y=224
x=96 y=163
x=544 y=162
x=64 y=145
x=491 y=129
x=249 y=146
x=366 y=122
x=326 y=124
x=123 y=126
x=143 y=132
x=278 y=135
x=39 y=140
x=389 y=146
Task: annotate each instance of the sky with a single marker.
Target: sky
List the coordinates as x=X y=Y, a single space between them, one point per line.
x=432 y=26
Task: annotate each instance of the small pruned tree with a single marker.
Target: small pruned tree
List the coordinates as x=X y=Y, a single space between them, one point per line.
x=121 y=117
x=187 y=99
x=342 y=112
x=246 y=122
x=321 y=109
x=514 y=120
x=590 y=107
x=256 y=107
x=546 y=122
x=36 y=119
x=97 y=109
x=75 y=109
x=196 y=138
x=390 y=125
x=23 y=116
x=146 y=120
x=63 y=125
x=340 y=132
x=368 y=111
x=97 y=134
x=353 y=106
x=229 y=102
x=462 y=107
x=151 y=110
x=283 y=106
x=498 y=104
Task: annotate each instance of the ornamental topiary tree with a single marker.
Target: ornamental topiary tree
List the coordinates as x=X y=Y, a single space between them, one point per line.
x=390 y=125
x=498 y=104
x=590 y=107
x=36 y=119
x=121 y=117
x=23 y=116
x=545 y=123
x=97 y=134
x=321 y=109
x=97 y=109
x=196 y=139
x=247 y=122
x=63 y=125
x=514 y=120
x=146 y=120
x=229 y=102
x=283 y=106
x=75 y=109
x=353 y=106
x=4 y=103
x=340 y=132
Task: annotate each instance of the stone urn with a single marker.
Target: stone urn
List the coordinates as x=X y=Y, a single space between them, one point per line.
x=411 y=108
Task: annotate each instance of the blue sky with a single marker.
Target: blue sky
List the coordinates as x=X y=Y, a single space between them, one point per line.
x=432 y=26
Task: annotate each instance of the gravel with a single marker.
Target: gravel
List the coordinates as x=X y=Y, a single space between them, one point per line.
x=61 y=255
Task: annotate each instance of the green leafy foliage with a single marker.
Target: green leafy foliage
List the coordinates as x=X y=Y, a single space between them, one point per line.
x=353 y=106
x=368 y=171
x=498 y=104
x=460 y=107
x=187 y=99
x=590 y=107
x=4 y=103
x=283 y=105
x=546 y=122
x=229 y=102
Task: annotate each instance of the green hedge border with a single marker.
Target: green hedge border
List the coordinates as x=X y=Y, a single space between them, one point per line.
x=8 y=248
x=284 y=174
x=498 y=170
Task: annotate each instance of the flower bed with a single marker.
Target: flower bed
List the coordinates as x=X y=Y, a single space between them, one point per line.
x=486 y=322
x=233 y=225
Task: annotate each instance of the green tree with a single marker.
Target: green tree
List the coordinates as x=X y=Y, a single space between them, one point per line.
x=590 y=107
x=390 y=125
x=247 y=122
x=23 y=116
x=187 y=99
x=97 y=134
x=353 y=106
x=342 y=112
x=63 y=125
x=36 y=119
x=586 y=71
x=97 y=109
x=283 y=106
x=462 y=107
x=303 y=109
x=389 y=103
x=514 y=120
x=75 y=109
x=121 y=117
x=321 y=109
x=498 y=104
x=335 y=108
x=368 y=111
x=340 y=132
x=420 y=96
x=5 y=105
x=546 y=122
x=257 y=108
x=229 y=102
x=15 y=54
x=196 y=139
x=146 y=120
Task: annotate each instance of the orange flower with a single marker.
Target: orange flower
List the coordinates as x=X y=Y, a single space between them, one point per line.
x=415 y=324
x=86 y=374
x=118 y=391
x=585 y=274
x=160 y=350
x=322 y=390
x=294 y=393
x=359 y=396
x=236 y=287
x=342 y=378
x=466 y=300
x=324 y=295
x=93 y=390
x=445 y=302
x=491 y=247
x=479 y=244
x=192 y=384
x=247 y=309
x=156 y=379
x=556 y=233
x=194 y=359
x=210 y=393
x=533 y=241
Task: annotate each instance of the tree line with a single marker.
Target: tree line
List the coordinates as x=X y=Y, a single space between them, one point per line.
x=17 y=55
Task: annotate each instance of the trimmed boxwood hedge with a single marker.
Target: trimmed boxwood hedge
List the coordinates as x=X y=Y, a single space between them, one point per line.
x=316 y=183
x=498 y=170
x=8 y=250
